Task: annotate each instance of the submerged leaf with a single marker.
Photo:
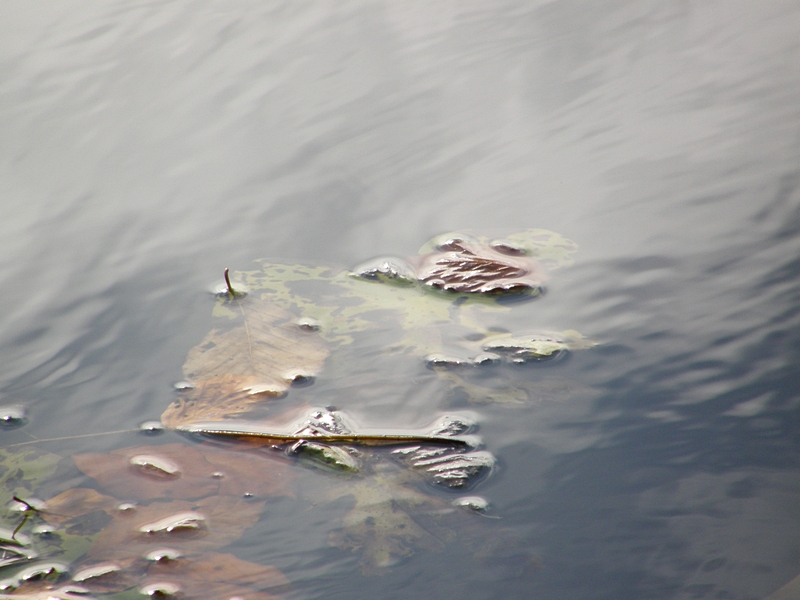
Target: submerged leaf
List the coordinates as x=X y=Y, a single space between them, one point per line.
x=213 y=575
x=188 y=526
x=521 y=349
x=22 y=471
x=131 y=533
x=201 y=471
x=380 y=526
x=76 y=502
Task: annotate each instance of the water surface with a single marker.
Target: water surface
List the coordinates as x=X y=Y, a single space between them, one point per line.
x=144 y=147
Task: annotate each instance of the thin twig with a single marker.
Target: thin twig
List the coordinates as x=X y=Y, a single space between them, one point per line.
x=389 y=439
x=28 y=511
x=70 y=437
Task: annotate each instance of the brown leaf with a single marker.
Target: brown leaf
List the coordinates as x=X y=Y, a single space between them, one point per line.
x=240 y=367
x=44 y=590
x=77 y=502
x=461 y=265
x=216 y=398
x=187 y=526
x=179 y=471
x=214 y=575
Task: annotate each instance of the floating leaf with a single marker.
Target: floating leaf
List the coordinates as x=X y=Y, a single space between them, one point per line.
x=548 y=247
x=133 y=473
x=537 y=347
x=260 y=355
x=463 y=265
x=213 y=575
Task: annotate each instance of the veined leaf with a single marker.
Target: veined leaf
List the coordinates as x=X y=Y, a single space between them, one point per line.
x=260 y=355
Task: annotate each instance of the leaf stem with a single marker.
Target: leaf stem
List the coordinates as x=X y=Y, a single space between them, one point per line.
x=228 y=283
x=28 y=510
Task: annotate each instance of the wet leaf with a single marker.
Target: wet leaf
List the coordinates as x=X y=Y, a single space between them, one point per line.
x=468 y=266
x=258 y=356
x=22 y=472
x=134 y=473
x=44 y=590
x=190 y=527
x=531 y=348
x=499 y=390
x=548 y=247
x=76 y=502
x=214 y=575
x=380 y=526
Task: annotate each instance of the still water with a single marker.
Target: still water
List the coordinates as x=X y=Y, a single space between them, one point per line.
x=146 y=146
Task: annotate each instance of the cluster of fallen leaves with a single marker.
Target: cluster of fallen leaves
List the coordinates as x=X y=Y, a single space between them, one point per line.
x=161 y=514
x=157 y=523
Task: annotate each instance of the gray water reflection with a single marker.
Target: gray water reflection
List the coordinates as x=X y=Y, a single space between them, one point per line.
x=145 y=147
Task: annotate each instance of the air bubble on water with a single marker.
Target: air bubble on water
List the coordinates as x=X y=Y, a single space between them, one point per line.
x=454 y=425
x=44 y=530
x=161 y=589
x=472 y=503
x=155 y=466
x=12 y=417
x=151 y=427
x=183 y=522
x=96 y=571
x=308 y=324
x=508 y=247
x=163 y=555
x=443 y=361
x=298 y=378
x=183 y=386
x=486 y=359
x=69 y=589
x=126 y=507
x=387 y=268
x=43 y=571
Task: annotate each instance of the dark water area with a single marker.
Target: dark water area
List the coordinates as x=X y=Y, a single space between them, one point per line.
x=144 y=147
